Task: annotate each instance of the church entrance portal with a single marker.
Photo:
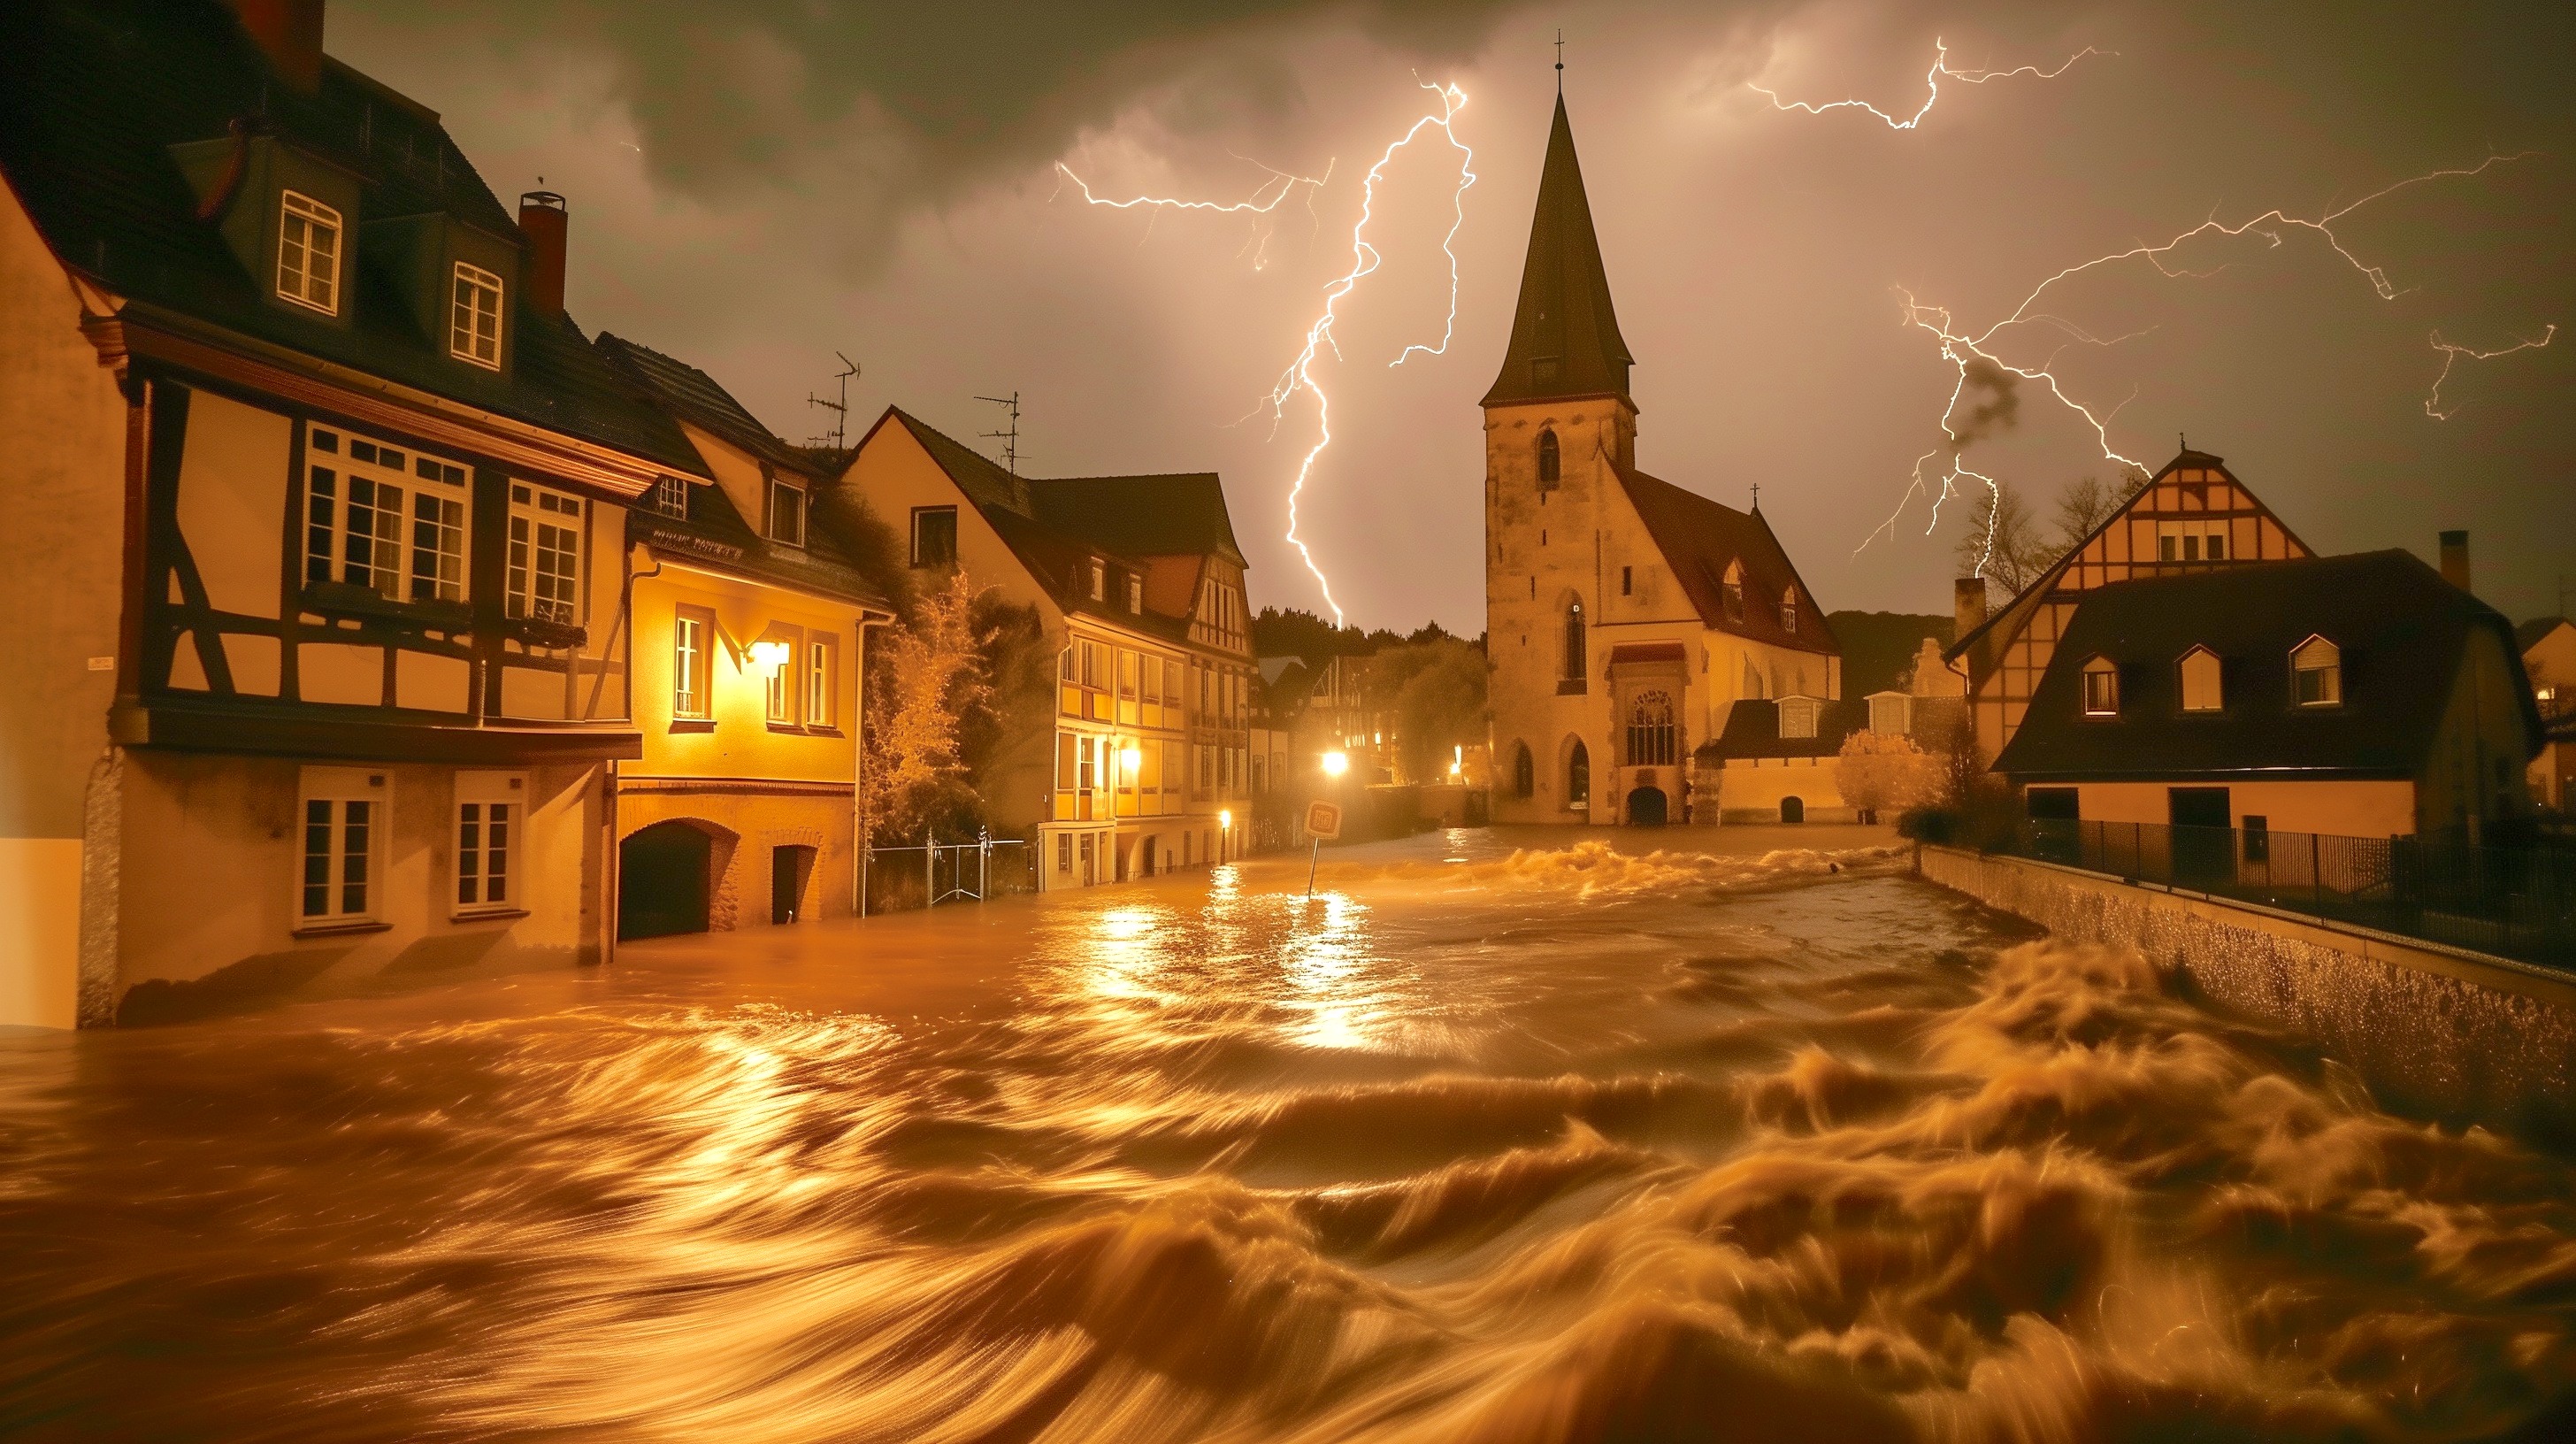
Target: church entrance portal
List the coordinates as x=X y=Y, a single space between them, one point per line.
x=1793 y=809
x=1646 y=807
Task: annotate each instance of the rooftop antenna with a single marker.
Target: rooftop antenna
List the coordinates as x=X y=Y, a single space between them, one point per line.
x=839 y=435
x=1010 y=435
x=1560 y=65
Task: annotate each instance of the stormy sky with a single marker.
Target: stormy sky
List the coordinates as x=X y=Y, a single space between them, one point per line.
x=756 y=185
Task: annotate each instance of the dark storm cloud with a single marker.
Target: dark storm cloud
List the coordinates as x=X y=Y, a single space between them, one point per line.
x=887 y=107
x=1989 y=404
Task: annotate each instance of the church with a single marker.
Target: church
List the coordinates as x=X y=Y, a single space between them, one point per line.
x=1626 y=617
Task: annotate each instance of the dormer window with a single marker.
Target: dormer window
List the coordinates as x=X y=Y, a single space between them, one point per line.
x=1549 y=463
x=2101 y=688
x=474 y=320
x=2316 y=673
x=1797 y=717
x=2202 y=677
x=786 y=512
x=308 y=253
x=1735 y=591
x=1135 y=593
x=1099 y=581
x=671 y=497
x=1789 y=611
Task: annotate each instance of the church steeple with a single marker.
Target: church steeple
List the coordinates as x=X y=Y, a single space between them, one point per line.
x=1565 y=340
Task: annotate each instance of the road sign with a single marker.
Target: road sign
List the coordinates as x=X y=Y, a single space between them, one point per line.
x=1324 y=820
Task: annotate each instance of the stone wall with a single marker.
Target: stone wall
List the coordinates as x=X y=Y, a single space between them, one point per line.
x=2436 y=1032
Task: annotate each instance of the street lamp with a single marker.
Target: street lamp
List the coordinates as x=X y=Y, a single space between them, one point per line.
x=1336 y=763
x=771 y=654
x=1131 y=757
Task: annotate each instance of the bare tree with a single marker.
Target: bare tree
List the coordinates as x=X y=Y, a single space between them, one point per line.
x=2002 y=543
x=2087 y=502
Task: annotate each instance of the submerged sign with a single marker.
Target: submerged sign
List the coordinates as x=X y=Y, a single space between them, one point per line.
x=1324 y=820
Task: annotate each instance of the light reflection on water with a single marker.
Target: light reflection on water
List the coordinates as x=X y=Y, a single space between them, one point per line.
x=1568 y=1144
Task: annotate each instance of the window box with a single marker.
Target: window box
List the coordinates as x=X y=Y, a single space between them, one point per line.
x=348 y=599
x=538 y=632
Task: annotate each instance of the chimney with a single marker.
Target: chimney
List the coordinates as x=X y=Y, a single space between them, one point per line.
x=1967 y=606
x=289 y=32
x=2455 y=559
x=542 y=221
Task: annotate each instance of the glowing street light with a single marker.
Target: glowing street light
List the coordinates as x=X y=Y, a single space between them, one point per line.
x=1225 y=818
x=771 y=653
x=1131 y=758
x=1336 y=763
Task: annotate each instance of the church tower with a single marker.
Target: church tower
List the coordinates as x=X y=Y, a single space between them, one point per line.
x=1559 y=426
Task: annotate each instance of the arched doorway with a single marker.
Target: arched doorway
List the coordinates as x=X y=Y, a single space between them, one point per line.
x=1646 y=807
x=1793 y=809
x=663 y=874
x=790 y=868
x=1578 y=775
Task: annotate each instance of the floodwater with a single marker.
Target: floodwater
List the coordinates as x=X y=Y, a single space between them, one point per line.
x=1568 y=1144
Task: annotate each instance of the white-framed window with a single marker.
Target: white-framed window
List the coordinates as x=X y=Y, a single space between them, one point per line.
x=1099 y=581
x=671 y=497
x=308 y=253
x=474 y=317
x=1135 y=593
x=383 y=518
x=545 y=554
x=786 y=512
x=1798 y=716
x=934 y=536
x=2101 y=688
x=2316 y=674
x=2191 y=541
x=342 y=814
x=693 y=630
x=2203 y=685
x=819 y=659
x=491 y=821
x=782 y=686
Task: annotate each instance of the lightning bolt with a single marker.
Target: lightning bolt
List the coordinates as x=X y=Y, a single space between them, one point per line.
x=1299 y=377
x=1966 y=349
x=1263 y=201
x=2451 y=353
x=1931 y=82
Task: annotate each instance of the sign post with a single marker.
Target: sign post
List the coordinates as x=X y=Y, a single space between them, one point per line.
x=1323 y=820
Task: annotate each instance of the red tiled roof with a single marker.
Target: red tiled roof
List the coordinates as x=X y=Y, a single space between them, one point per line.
x=1700 y=538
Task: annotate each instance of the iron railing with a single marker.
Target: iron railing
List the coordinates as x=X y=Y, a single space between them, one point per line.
x=2514 y=902
x=931 y=873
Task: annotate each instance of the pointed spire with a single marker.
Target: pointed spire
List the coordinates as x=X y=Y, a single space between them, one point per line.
x=1565 y=340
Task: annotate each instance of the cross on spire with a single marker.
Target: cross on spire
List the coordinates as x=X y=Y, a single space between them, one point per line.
x=1560 y=64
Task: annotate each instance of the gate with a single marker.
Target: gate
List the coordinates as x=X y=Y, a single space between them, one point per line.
x=933 y=873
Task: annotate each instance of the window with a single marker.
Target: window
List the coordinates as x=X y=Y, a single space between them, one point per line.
x=1798 y=716
x=2191 y=541
x=1789 y=610
x=691 y=669
x=1524 y=771
x=1135 y=593
x=934 y=536
x=1627 y=582
x=1099 y=581
x=344 y=814
x=2317 y=671
x=2201 y=680
x=1086 y=774
x=308 y=253
x=490 y=809
x=474 y=321
x=1549 y=465
x=1651 y=734
x=818 y=681
x=1735 y=591
x=371 y=523
x=1890 y=716
x=1575 y=669
x=671 y=497
x=2101 y=688
x=1578 y=776
x=545 y=554
x=782 y=682
x=1064 y=852
x=786 y=512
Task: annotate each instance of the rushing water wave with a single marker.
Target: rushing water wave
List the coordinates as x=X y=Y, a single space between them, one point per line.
x=1550 y=1145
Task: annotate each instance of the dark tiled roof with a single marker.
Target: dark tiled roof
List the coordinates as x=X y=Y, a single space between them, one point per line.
x=2401 y=629
x=1753 y=730
x=693 y=396
x=1699 y=537
x=1565 y=315
x=1142 y=516
x=93 y=95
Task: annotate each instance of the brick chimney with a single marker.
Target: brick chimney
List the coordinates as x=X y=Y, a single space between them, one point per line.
x=1967 y=606
x=2455 y=559
x=289 y=32
x=542 y=220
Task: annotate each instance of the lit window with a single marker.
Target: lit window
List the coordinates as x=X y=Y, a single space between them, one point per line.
x=344 y=815
x=2317 y=672
x=1099 y=582
x=1735 y=591
x=308 y=253
x=2201 y=680
x=1136 y=594
x=690 y=632
x=370 y=522
x=490 y=809
x=934 y=536
x=1797 y=717
x=671 y=497
x=2101 y=688
x=1789 y=610
x=781 y=685
x=474 y=321
x=786 y=512
x=818 y=682
x=545 y=554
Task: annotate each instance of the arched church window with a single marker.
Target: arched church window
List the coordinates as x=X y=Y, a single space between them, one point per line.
x=1578 y=775
x=1549 y=467
x=1651 y=735
x=1574 y=667
x=1789 y=610
x=1524 y=771
x=1735 y=591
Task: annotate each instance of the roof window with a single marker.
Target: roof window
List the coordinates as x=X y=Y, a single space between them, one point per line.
x=2101 y=688
x=308 y=253
x=2203 y=681
x=2316 y=673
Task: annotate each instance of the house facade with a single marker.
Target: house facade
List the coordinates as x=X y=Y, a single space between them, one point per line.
x=1625 y=616
x=750 y=629
x=1146 y=762
x=325 y=673
x=2352 y=696
x=2548 y=647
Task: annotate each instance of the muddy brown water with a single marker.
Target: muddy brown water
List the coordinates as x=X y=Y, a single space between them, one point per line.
x=1479 y=1145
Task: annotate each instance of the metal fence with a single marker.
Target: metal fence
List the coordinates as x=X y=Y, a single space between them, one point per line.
x=2514 y=902
x=931 y=873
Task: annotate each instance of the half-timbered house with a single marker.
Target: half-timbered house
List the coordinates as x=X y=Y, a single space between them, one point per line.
x=319 y=500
